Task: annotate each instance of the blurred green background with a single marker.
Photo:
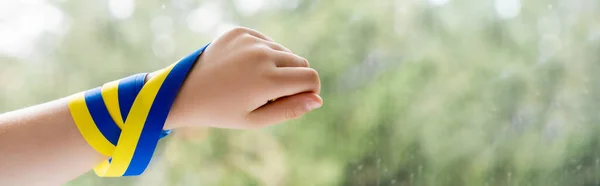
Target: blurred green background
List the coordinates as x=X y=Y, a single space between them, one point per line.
x=417 y=92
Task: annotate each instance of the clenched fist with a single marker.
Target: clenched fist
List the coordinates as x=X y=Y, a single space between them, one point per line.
x=234 y=80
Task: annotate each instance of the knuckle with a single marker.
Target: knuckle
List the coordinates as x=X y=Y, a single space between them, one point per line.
x=280 y=47
x=260 y=52
x=238 y=31
x=248 y=39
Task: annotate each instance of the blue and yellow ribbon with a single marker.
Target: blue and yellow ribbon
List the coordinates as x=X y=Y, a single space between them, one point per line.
x=124 y=119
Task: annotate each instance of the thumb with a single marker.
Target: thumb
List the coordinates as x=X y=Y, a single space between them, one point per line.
x=285 y=108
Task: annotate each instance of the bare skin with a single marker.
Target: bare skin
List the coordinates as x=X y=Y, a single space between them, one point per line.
x=229 y=87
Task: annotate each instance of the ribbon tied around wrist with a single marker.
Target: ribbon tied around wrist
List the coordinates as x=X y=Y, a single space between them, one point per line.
x=124 y=119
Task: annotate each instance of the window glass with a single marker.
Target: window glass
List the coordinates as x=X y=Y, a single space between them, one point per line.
x=416 y=92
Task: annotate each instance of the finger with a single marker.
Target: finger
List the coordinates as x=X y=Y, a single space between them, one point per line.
x=286 y=59
x=284 y=109
x=294 y=80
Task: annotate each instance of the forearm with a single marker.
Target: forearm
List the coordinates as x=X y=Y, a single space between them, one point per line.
x=41 y=145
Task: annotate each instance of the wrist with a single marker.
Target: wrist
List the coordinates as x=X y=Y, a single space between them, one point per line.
x=129 y=114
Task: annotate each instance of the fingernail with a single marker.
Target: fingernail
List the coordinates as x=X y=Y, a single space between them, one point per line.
x=312 y=105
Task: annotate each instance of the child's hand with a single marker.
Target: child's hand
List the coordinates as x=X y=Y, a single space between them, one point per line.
x=236 y=76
